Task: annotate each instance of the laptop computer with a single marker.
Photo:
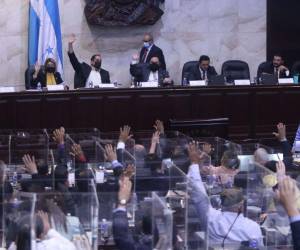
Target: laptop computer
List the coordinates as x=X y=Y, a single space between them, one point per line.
x=217 y=80
x=268 y=79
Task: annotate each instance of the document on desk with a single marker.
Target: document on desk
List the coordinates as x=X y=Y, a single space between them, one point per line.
x=198 y=83
x=7 y=89
x=149 y=84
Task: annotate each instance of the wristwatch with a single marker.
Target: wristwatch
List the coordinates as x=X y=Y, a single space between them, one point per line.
x=122 y=202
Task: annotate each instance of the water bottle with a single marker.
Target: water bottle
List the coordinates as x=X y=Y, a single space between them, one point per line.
x=185 y=82
x=104 y=229
x=14 y=179
x=296 y=78
x=39 y=86
x=253 y=244
x=134 y=201
x=133 y=82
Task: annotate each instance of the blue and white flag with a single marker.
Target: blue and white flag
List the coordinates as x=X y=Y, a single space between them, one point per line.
x=44 y=33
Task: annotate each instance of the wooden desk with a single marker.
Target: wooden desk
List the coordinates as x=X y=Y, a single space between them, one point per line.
x=253 y=110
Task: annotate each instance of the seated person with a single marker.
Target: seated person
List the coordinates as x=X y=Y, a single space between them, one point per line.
x=225 y=173
x=226 y=225
x=202 y=71
x=46 y=75
x=150 y=72
x=87 y=75
x=48 y=238
x=276 y=67
x=121 y=232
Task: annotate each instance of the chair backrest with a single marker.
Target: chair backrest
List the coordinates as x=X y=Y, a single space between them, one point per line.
x=296 y=68
x=260 y=67
x=235 y=70
x=28 y=75
x=187 y=68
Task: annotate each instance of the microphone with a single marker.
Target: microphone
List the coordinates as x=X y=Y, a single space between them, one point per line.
x=230 y=228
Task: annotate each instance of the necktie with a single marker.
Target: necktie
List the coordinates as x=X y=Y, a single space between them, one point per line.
x=276 y=71
x=145 y=56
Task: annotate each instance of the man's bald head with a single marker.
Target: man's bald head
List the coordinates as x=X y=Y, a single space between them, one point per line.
x=148 y=38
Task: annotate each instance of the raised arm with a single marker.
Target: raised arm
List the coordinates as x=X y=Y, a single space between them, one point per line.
x=195 y=185
x=285 y=145
x=73 y=59
x=122 y=236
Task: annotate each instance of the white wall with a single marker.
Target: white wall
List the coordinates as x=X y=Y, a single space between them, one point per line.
x=222 y=29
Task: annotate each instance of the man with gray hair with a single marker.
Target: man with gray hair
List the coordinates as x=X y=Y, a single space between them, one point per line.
x=225 y=225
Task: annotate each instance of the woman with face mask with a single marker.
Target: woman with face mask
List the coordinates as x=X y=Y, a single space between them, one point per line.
x=46 y=75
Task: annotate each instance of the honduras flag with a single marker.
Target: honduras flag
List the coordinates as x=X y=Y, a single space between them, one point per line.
x=44 y=33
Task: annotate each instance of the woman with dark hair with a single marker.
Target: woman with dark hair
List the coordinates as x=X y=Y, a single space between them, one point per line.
x=47 y=237
x=46 y=75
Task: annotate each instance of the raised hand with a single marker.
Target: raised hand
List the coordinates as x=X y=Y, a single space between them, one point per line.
x=194 y=152
x=125 y=134
x=207 y=148
x=125 y=189
x=280 y=170
x=59 y=135
x=30 y=164
x=37 y=67
x=110 y=153
x=46 y=223
x=76 y=151
x=72 y=38
x=288 y=195
x=135 y=57
x=159 y=126
x=129 y=171
x=281 y=132
x=155 y=137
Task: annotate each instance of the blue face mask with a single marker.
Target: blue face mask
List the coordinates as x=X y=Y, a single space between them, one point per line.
x=146 y=45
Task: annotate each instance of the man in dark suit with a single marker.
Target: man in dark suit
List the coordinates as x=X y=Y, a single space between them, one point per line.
x=151 y=72
x=276 y=67
x=122 y=235
x=87 y=75
x=203 y=71
x=150 y=50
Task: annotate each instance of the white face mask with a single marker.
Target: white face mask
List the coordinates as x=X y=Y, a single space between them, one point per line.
x=146 y=45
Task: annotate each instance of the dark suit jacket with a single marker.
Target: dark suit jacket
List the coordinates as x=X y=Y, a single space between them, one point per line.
x=41 y=78
x=123 y=237
x=154 y=52
x=295 y=226
x=83 y=70
x=287 y=154
x=268 y=68
x=195 y=74
x=141 y=72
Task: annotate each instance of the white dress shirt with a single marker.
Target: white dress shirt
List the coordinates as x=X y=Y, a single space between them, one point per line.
x=52 y=241
x=153 y=76
x=94 y=78
x=218 y=222
x=203 y=74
